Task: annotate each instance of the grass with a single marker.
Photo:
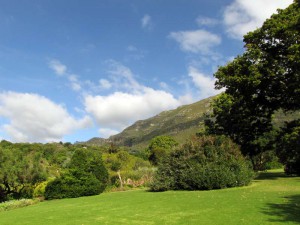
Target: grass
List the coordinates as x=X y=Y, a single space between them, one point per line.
x=273 y=198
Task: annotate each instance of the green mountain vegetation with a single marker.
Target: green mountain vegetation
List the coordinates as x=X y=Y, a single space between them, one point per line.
x=179 y=123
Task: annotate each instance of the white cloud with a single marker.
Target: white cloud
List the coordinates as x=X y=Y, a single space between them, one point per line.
x=107 y=132
x=34 y=118
x=146 y=22
x=120 y=109
x=122 y=77
x=206 y=21
x=196 y=41
x=130 y=102
x=59 y=68
x=243 y=16
x=204 y=83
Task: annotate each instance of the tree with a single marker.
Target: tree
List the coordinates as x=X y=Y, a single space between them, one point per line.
x=264 y=79
x=21 y=167
x=159 y=147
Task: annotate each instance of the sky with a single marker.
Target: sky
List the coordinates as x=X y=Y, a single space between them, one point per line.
x=71 y=70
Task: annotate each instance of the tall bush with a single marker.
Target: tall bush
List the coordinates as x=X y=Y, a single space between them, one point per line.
x=86 y=176
x=203 y=163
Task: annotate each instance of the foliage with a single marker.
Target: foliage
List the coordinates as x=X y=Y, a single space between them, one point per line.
x=159 y=147
x=86 y=176
x=14 y=204
x=266 y=161
x=39 y=190
x=21 y=166
x=258 y=83
x=127 y=170
x=288 y=147
x=204 y=163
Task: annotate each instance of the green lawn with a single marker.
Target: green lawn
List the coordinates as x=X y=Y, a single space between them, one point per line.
x=273 y=198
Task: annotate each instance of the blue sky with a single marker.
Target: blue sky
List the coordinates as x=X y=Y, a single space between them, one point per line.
x=73 y=70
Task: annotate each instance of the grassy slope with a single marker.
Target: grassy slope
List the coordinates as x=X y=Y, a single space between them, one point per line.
x=271 y=199
x=180 y=123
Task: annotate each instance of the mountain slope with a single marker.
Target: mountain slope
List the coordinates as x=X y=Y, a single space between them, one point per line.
x=179 y=123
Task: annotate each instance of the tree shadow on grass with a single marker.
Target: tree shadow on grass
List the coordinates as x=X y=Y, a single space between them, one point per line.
x=271 y=175
x=289 y=211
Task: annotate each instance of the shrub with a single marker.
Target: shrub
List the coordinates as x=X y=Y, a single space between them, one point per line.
x=14 y=204
x=204 y=163
x=159 y=147
x=69 y=186
x=39 y=190
x=288 y=147
x=86 y=176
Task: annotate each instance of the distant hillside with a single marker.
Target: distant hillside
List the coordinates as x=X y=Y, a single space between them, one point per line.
x=180 y=123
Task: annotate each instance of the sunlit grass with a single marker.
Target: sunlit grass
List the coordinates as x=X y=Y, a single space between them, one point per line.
x=273 y=198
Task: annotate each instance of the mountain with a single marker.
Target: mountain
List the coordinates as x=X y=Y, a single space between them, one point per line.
x=180 y=123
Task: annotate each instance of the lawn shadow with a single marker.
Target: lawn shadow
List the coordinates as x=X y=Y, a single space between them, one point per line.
x=285 y=212
x=271 y=175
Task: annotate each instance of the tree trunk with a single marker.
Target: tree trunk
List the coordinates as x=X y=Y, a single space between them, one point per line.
x=120 y=178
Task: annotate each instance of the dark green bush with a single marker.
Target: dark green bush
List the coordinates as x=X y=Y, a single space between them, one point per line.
x=69 y=186
x=288 y=147
x=204 y=163
x=86 y=176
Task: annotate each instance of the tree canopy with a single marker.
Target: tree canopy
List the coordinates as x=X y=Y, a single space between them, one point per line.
x=264 y=79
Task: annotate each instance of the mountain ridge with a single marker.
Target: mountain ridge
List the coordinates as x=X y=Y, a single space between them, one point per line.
x=180 y=123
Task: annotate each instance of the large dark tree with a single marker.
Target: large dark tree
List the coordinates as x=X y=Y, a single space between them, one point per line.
x=264 y=79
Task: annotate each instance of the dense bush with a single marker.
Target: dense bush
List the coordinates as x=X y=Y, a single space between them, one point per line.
x=86 y=176
x=160 y=147
x=288 y=147
x=204 y=163
x=73 y=185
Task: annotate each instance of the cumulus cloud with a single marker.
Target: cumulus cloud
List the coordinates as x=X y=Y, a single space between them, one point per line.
x=34 y=118
x=196 y=41
x=204 y=83
x=243 y=16
x=131 y=102
x=59 y=68
x=146 y=22
x=120 y=109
